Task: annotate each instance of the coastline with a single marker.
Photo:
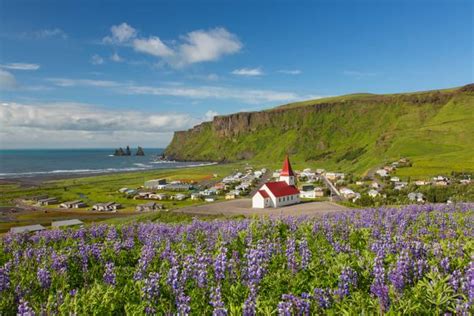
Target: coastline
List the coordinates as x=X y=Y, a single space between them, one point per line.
x=34 y=180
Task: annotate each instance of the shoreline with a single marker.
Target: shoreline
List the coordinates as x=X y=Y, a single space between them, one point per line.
x=38 y=179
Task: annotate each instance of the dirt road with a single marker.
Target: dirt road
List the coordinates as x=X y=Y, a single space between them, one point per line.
x=244 y=207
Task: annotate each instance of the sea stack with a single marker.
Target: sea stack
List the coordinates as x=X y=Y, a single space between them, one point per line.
x=140 y=152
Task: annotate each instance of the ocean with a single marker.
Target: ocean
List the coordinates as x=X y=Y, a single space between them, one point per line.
x=19 y=163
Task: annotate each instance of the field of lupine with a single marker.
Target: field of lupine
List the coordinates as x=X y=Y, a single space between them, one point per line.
x=414 y=261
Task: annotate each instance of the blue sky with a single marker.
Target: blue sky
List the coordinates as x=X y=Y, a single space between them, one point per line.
x=92 y=74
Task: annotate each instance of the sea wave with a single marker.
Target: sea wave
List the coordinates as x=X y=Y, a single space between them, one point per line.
x=139 y=167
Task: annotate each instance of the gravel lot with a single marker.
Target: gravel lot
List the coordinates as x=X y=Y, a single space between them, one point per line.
x=244 y=207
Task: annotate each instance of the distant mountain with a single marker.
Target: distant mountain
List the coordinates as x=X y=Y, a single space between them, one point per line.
x=435 y=129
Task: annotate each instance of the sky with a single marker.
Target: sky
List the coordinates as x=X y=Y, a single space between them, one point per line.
x=83 y=74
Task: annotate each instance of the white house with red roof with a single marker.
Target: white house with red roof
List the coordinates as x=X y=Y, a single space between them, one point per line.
x=278 y=193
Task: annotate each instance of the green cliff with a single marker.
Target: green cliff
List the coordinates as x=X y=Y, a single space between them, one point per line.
x=435 y=129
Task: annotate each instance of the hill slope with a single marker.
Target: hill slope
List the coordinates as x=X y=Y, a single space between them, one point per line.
x=351 y=133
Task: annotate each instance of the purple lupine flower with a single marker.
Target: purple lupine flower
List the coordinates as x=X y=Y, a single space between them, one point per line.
x=294 y=305
x=147 y=254
x=290 y=255
x=110 y=277
x=182 y=304
x=378 y=287
x=59 y=262
x=322 y=297
x=285 y=308
x=24 y=309
x=220 y=264
x=250 y=302
x=400 y=275
x=73 y=292
x=217 y=303
x=455 y=280
x=44 y=278
x=470 y=282
x=4 y=278
x=305 y=253
x=151 y=287
x=445 y=265
x=173 y=278
x=347 y=279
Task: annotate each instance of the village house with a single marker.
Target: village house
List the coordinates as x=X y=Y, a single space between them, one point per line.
x=195 y=196
x=123 y=190
x=67 y=223
x=347 y=193
x=210 y=199
x=230 y=196
x=180 y=197
x=48 y=201
x=110 y=207
x=359 y=183
x=278 y=193
x=73 y=204
x=155 y=184
x=375 y=185
x=149 y=207
x=394 y=179
x=158 y=196
x=440 y=181
x=373 y=193
x=465 y=181
x=421 y=182
x=382 y=172
x=416 y=197
x=26 y=229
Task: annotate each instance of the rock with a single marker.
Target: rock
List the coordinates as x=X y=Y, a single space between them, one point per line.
x=140 y=152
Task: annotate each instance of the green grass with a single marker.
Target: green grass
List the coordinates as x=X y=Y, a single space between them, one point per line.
x=353 y=133
x=103 y=188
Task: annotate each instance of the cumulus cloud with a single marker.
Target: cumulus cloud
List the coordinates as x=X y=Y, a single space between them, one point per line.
x=194 y=47
x=77 y=124
x=116 y=58
x=20 y=66
x=210 y=115
x=208 y=45
x=250 y=72
x=152 y=46
x=120 y=34
x=200 y=92
x=290 y=71
x=47 y=33
x=97 y=60
x=7 y=80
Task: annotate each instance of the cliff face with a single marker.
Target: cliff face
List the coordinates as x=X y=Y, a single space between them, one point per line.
x=362 y=127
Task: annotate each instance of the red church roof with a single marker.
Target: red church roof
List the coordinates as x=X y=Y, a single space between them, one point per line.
x=263 y=193
x=281 y=188
x=287 y=170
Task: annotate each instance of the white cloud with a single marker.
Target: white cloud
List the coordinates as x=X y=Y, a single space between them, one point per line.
x=210 y=115
x=120 y=34
x=97 y=60
x=194 y=47
x=290 y=72
x=116 y=58
x=201 y=45
x=48 y=33
x=152 y=46
x=69 y=124
x=7 y=80
x=199 y=92
x=251 y=72
x=20 y=66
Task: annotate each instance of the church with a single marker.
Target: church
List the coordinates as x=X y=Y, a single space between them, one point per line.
x=278 y=193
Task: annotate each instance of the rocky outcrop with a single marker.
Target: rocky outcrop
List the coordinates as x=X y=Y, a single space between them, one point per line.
x=140 y=152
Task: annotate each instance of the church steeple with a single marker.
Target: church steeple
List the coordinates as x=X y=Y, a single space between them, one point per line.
x=287 y=173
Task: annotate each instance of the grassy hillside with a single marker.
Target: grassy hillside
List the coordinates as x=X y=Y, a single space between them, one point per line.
x=353 y=133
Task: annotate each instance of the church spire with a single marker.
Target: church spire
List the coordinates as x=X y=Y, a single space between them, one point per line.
x=287 y=170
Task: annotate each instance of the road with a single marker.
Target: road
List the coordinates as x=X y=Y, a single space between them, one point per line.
x=335 y=194
x=244 y=207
